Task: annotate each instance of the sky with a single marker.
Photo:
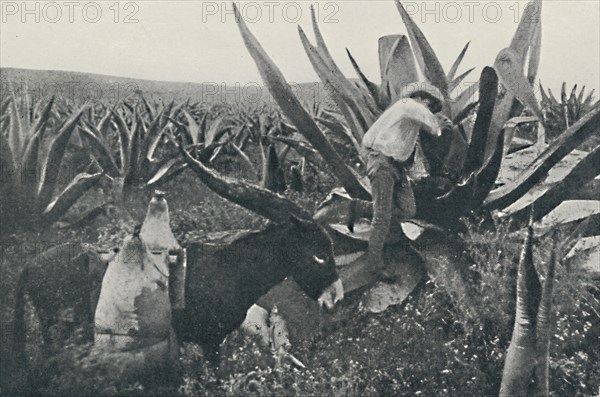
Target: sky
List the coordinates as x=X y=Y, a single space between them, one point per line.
x=198 y=41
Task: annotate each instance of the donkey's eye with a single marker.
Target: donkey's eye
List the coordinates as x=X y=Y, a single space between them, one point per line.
x=320 y=261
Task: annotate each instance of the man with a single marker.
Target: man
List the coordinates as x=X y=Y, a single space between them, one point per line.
x=395 y=158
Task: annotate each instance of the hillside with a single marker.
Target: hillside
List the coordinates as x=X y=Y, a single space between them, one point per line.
x=81 y=86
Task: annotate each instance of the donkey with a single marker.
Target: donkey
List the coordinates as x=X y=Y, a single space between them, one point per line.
x=231 y=276
x=224 y=281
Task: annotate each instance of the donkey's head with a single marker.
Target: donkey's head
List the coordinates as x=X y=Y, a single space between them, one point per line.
x=309 y=251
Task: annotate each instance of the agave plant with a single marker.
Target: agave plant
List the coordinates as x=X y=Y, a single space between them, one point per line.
x=209 y=133
x=140 y=134
x=473 y=160
x=31 y=160
x=560 y=115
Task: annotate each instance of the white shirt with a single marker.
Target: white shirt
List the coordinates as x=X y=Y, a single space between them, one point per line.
x=395 y=133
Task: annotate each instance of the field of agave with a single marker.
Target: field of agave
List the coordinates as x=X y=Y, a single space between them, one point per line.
x=53 y=151
x=65 y=164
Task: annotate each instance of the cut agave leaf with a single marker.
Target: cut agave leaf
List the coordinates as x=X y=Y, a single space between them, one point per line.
x=523 y=37
x=254 y=198
x=488 y=174
x=557 y=150
x=397 y=64
x=586 y=170
x=510 y=69
x=535 y=53
x=488 y=89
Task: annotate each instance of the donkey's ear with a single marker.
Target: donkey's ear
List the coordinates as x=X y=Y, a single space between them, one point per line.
x=302 y=224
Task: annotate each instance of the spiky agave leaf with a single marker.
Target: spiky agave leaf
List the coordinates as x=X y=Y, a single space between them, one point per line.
x=362 y=105
x=304 y=150
x=246 y=159
x=132 y=169
x=43 y=118
x=4 y=107
x=193 y=127
x=214 y=131
x=124 y=138
x=104 y=124
x=272 y=173
x=8 y=176
x=588 y=100
x=149 y=142
x=30 y=162
x=372 y=87
x=16 y=130
x=292 y=108
x=342 y=95
x=69 y=196
x=51 y=166
x=426 y=57
x=151 y=109
x=509 y=65
x=340 y=129
x=167 y=171
x=319 y=56
x=457 y=63
x=463 y=114
x=103 y=154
